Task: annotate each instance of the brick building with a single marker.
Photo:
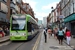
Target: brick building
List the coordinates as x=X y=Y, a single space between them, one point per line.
x=4 y=19
x=27 y=8
x=57 y=14
x=68 y=11
x=9 y=7
x=36 y=19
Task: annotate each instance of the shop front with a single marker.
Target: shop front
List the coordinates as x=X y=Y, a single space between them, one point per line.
x=70 y=23
x=4 y=23
x=57 y=24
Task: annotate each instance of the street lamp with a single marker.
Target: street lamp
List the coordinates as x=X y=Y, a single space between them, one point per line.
x=52 y=16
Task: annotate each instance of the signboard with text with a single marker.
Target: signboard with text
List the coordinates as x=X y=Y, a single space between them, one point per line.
x=61 y=16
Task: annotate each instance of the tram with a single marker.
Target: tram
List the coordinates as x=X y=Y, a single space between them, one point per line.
x=22 y=27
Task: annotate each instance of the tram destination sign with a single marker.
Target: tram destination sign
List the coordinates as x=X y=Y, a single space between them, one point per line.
x=19 y=16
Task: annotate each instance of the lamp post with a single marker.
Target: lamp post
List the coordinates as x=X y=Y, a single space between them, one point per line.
x=52 y=17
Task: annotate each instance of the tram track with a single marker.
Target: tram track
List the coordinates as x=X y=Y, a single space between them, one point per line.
x=20 y=45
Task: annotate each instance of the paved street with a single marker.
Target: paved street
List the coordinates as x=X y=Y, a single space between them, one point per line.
x=21 y=20
x=53 y=44
x=23 y=45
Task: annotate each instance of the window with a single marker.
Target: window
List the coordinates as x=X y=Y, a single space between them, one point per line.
x=18 y=22
x=68 y=0
x=71 y=8
x=24 y=6
x=28 y=6
x=14 y=1
x=68 y=11
x=4 y=7
x=27 y=10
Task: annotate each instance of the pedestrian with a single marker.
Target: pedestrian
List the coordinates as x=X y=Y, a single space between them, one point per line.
x=46 y=29
x=49 y=31
x=64 y=30
x=68 y=36
x=60 y=35
x=5 y=31
x=8 y=31
x=45 y=36
x=1 y=32
x=56 y=30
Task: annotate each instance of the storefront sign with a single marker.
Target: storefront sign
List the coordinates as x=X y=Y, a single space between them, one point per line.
x=61 y=16
x=50 y=24
x=70 y=18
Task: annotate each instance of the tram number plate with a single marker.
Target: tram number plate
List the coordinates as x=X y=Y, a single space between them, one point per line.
x=17 y=33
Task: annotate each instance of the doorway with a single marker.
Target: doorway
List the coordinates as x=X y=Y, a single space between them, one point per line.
x=73 y=28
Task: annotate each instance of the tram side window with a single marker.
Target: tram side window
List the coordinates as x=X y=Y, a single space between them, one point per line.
x=33 y=27
x=29 y=27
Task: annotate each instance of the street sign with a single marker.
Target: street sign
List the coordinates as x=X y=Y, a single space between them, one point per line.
x=50 y=24
x=61 y=16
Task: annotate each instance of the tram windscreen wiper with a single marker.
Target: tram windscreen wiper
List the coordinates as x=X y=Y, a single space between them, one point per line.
x=16 y=31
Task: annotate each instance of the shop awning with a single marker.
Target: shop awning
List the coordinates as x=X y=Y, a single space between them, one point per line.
x=69 y=18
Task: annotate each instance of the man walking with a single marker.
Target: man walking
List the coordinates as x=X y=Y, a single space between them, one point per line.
x=45 y=35
x=46 y=29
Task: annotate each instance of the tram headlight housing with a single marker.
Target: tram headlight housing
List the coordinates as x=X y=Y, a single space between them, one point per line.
x=11 y=34
x=24 y=34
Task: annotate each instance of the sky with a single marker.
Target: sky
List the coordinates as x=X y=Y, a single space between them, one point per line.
x=41 y=8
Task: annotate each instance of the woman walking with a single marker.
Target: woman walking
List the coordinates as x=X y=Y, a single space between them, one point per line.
x=60 y=35
x=68 y=36
x=49 y=31
x=56 y=30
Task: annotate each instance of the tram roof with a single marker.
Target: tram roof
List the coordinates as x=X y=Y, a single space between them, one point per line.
x=31 y=19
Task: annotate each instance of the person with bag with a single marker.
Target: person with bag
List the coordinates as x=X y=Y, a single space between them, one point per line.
x=54 y=33
x=49 y=31
x=60 y=35
x=46 y=29
x=64 y=30
x=45 y=36
x=1 y=33
x=56 y=30
x=68 y=36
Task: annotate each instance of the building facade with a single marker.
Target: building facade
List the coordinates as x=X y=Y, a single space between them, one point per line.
x=9 y=7
x=68 y=10
x=44 y=22
x=36 y=19
x=39 y=22
x=4 y=19
x=57 y=14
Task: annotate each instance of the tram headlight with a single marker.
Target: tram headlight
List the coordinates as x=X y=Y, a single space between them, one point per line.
x=24 y=34
x=12 y=34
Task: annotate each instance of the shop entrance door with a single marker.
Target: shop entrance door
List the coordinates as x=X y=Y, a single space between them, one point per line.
x=73 y=28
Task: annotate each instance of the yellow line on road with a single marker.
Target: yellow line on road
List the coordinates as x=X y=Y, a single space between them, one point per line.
x=0 y=45
x=37 y=42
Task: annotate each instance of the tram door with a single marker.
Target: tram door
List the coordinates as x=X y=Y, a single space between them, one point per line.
x=29 y=27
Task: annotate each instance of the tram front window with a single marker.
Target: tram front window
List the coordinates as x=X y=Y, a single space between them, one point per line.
x=18 y=23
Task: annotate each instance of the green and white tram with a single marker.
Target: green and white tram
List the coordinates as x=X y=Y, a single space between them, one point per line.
x=22 y=27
